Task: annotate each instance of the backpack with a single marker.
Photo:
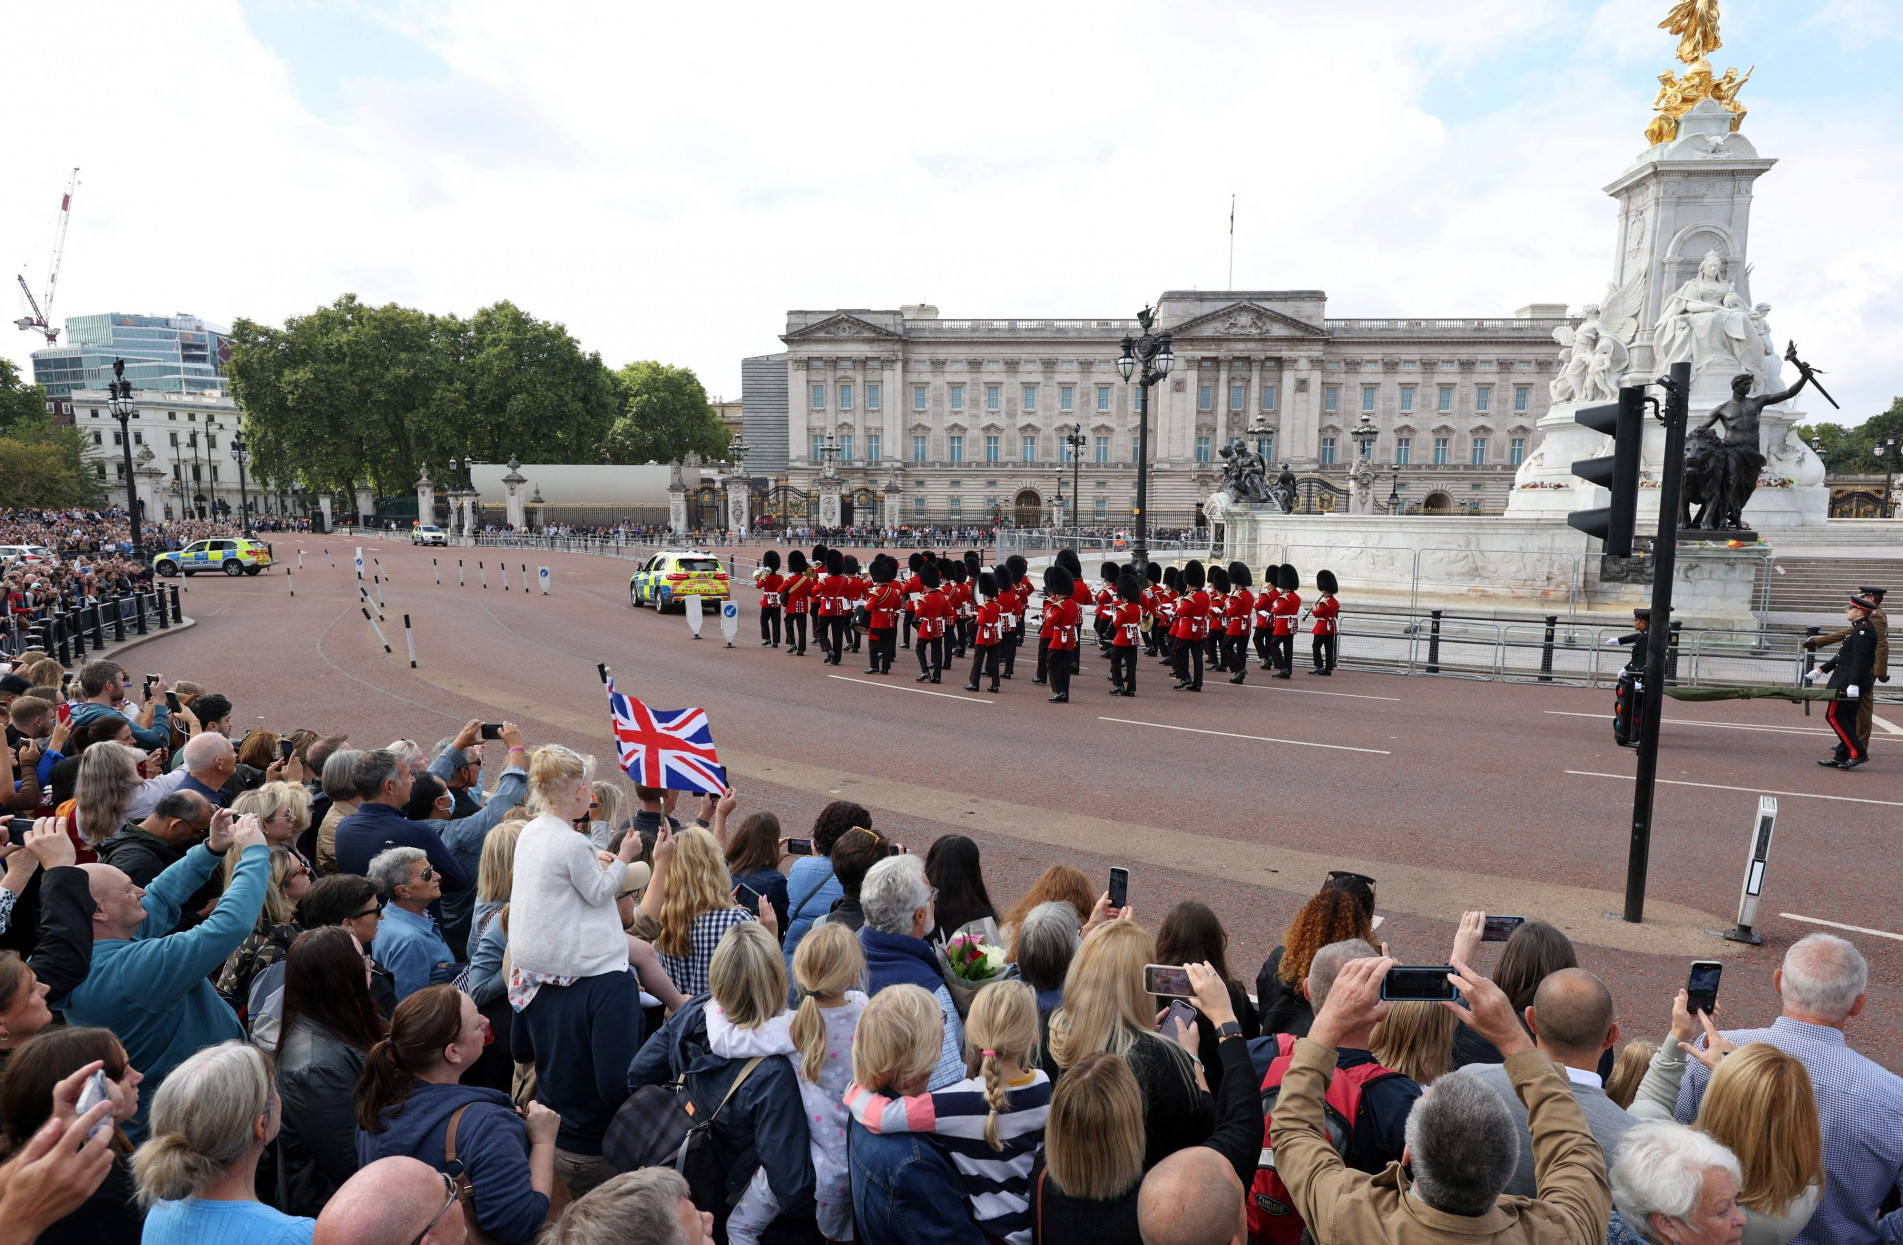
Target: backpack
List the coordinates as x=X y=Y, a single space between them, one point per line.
x=1272 y=1216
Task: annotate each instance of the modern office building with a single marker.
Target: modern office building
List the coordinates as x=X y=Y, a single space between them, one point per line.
x=974 y=419
x=166 y=354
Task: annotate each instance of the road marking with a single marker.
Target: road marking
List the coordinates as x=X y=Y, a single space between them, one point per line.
x=1300 y=743
x=1724 y=726
x=1886 y=724
x=892 y=687
x=1308 y=691
x=1859 y=929
x=1714 y=786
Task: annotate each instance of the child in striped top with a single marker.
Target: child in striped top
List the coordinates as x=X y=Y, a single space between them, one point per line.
x=992 y=1122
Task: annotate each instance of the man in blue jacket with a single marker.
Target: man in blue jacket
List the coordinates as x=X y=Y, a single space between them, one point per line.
x=103 y=684
x=383 y=781
x=151 y=986
x=464 y=835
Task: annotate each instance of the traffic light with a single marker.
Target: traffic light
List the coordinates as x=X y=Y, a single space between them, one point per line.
x=1624 y=422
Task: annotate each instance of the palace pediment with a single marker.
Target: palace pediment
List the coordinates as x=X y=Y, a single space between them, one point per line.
x=838 y=327
x=1247 y=320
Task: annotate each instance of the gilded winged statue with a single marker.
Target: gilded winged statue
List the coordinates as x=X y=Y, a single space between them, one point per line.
x=1695 y=22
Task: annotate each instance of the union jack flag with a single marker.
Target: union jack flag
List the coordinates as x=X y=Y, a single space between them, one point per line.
x=671 y=749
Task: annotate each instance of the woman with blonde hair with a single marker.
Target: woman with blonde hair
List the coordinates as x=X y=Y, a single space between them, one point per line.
x=1629 y=1069
x=1416 y=1040
x=604 y=814
x=277 y=928
x=568 y=980
x=1760 y=1105
x=901 y=1181
x=197 y=1173
x=282 y=808
x=107 y=780
x=495 y=877
x=829 y=973
x=691 y=895
x=742 y=1028
x=1106 y=1009
x=1086 y=1182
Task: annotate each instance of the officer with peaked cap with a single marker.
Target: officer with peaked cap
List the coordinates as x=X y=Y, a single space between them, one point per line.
x=1850 y=674
x=1880 y=669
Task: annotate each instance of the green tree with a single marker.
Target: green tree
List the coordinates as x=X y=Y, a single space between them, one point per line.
x=22 y=405
x=665 y=414
x=1853 y=450
x=532 y=392
x=40 y=465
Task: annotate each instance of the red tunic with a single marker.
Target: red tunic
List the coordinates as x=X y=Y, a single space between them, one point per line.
x=834 y=596
x=883 y=604
x=990 y=624
x=913 y=589
x=1324 y=612
x=799 y=591
x=771 y=586
x=1287 y=606
x=1265 y=608
x=932 y=613
x=1129 y=620
x=1061 y=617
x=1192 y=616
x=1236 y=616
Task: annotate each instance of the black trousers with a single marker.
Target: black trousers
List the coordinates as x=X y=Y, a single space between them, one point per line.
x=1189 y=655
x=1842 y=717
x=931 y=656
x=985 y=661
x=1263 y=641
x=770 y=625
x=907 y=618
x=1043 y=659
x=1012 y=639
x=882 y=646
x=796 y=632
x=1324 y=647
x=1213 y=651
x=1282 y=652
x=1236 y=653
x=1123 y=667
x=1060 y=671
x=854 y=637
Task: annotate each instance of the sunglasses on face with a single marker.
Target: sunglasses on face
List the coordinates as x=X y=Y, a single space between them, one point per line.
x=376 y=911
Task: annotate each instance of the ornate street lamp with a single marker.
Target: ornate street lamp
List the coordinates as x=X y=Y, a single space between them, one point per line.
x=119 y=402
x=242 y=453
x=1259 y=433
x=1150 y=359
x=1364 y=434
x=1394 y=492
x=1887 y=451
x=1076 y=442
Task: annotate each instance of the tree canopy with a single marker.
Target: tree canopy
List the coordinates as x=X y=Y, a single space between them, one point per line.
x=664 y=415
x=353 y=391
x=1853 y=449
x=40 y=466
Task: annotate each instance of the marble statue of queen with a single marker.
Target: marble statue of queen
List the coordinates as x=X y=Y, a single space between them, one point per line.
x=1706 y=324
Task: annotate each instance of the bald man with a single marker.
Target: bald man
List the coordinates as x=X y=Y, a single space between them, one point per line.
x=209 y=764
x=1193 y=1197
x=1572 y=1024
x=390 y=1202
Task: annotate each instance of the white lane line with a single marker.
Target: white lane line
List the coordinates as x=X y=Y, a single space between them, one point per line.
x=1300 y=743
x=1886 y=724
x=1309 y=691
x=1858 y=929
x=1713 y=786
x=1726 y=726
x=892 y=687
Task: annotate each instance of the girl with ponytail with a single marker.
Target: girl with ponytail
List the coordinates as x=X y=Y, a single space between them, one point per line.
x=829 y=970
x=992 y=1123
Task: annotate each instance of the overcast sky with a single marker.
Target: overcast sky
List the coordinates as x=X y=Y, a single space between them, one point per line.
x=667 y=180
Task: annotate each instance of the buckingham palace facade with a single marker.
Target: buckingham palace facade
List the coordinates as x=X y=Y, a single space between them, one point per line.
x=976 y=420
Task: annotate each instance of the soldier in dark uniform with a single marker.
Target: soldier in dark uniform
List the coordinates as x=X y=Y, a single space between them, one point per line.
x=1628 y=705
x=1236 y=617
x=1211 y=642
x=1880 y=619
x=1850 y=672
x=832 y=611
x=933 y=613
x=987 y=633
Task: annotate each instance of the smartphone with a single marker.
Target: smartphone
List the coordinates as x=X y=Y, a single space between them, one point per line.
x=1418 y=984
x=1180 y=1012
x=1500 y=928
x=1119 y=887
x=150 y=679
x=1701 y=987
x=65 y=711
x=601 y=668
x=285 y=748
x=1167 y=981
x=895 y=849
x=17 y=828
x=91 y=1095
x=492 y=730
x=799 y=847
x=171 y=701
x=746 y=897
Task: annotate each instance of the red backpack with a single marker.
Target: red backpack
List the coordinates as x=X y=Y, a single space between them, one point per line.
x=1272 y=1216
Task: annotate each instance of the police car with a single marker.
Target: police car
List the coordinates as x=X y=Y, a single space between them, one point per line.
x=669 y=578
x=427 y=534
x=232 y=555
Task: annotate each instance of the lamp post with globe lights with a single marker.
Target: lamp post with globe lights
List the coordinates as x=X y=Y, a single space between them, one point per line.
x=1076 y=442
x=1150 y=359
x=119 y=402
x=1887 y=450
x=241 y=454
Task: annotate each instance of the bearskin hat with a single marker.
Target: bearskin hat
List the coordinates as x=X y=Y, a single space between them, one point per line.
x=1325 y=581
x=835 y=562
x=1058 y=581
x=1239 y=574
x=1129 y=587
x=914 y=562
x=944 y=570
x=1017 y=564
x=1290 y=578
x=972 y=561
x=852 y=565
x=884 y=570
x=771 y=559
x=958 y=572
x=1067 y=558
x=1172 y=578
x=1272 y=577
x=1153 y=572
x=796 y=562
x=1110 y=571
x=819 y=555
x=1218 y=579
x=1193 y=576
x=987 y=584
x=928 y=576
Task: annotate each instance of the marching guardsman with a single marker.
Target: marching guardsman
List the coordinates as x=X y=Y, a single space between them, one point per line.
x=1265 y=614
x=1044 y=618
x=1103 y=621
x=1326 y=611
x=1213 y=650
x=963 y=606
x=856 y=587
x=1063 y=617
x=1192 y=624
x=1287 y=606
x=832 y=592
x=973 y=565
x=799 y=594
x=1011 y=604
x=932 y=611
x=913 y=590
x=884 y=604
x=1169 y=599
x=1152 y=589
x=1126 y=634
x=1236 y=618
x=1850 y=674
x=1079 y=593
x=987 y=634
x=772 y=586
x=1880 y=619
x=1628 y=697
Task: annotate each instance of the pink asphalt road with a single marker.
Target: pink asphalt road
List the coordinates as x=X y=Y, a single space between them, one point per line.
x=1454 y=793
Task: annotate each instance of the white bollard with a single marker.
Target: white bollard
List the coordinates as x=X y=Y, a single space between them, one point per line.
x=300 y=559
x=360 y=562
x=409 y=641
x=459 y=572
x=437 y=571
x=375 y=628
x=541 y=573
x=505 y=575
x=287 y=581
x=485 y=573
x=378 y=581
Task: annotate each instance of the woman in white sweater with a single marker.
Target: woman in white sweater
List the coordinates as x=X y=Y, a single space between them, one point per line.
x=578 y=1008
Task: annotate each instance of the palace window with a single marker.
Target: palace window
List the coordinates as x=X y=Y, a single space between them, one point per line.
x=1479 y=452
x=957 y=397
x=918 y=507
x=1403 y=450
x=1367 y=397
x=1331 y=398
x=872 y=447
x=1268 y=397
x=1328 y=451
x=1027 y=449
x=1365 y=450
x=1103 y=397
x=1030 y=397
x=1204 y=397
x=1519 y=397
x=1440 y=451
x=918 y=449
x=1064 y=453
x=819 y=447
x=991 y=396
x=1268 y=447
x=1103 y=449
x=845 y=448
x=845 y=397
x=819 y=397
x=1202 y=449
x=1483 y=397
x=1516 y=451
x=957 y=448
x=1407 y=397
x=1238 y=391
x=872 y=397
x=918 y=397
x=992 y=454
x=1066 y=397
x=1446 y=398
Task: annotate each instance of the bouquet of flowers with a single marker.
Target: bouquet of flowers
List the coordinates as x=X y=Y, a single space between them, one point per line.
x=972 y=961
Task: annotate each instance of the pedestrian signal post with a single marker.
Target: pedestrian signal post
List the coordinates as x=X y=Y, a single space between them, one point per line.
x=1756 y=853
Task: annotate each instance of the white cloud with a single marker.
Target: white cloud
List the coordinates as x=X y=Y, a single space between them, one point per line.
x=669 y=180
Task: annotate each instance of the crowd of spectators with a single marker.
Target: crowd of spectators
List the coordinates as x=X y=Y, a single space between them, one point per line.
x=67 y=560
x=289 y=987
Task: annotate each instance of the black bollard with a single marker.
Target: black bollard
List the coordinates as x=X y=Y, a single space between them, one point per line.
x=138 y=613
x=1433 y=646
x=158 y=599
x=118 y=620
x=65 y=652
x=1810 y=663
x=99 y=631
x=76 y=623
x=1546 y=653
x=1671 y=655
x=178 y=615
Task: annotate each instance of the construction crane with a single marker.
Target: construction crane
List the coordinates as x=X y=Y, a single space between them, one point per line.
x=42 y=318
